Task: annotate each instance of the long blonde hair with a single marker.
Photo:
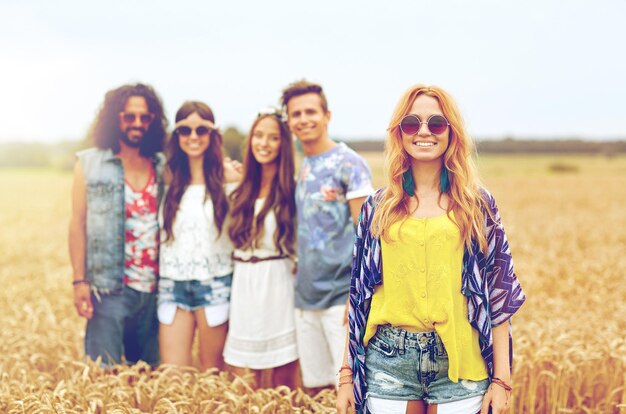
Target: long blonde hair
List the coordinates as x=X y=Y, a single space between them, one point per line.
x=464 y=188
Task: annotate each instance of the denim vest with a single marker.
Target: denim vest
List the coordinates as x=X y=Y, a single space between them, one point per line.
x=104 y=250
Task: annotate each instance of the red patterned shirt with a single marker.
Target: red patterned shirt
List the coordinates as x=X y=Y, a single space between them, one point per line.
x=141 y=248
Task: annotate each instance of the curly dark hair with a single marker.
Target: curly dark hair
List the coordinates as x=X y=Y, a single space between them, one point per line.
x=106 y=131
x=178 y=165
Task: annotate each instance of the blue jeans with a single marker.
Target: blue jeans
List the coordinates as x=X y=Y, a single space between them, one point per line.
x=124 y=323
x=409 y=366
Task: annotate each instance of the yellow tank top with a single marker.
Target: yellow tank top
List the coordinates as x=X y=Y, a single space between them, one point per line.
x=421 y=291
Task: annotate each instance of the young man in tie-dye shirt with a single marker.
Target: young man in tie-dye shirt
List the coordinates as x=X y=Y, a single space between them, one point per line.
x=331 y=187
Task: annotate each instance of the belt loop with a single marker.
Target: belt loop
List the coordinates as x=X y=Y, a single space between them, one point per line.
x=401 y=342
x=441 y=348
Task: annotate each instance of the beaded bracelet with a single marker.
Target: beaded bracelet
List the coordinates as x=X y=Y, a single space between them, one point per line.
x=345 y=382
x=345 y=378
x=501 y=383
x=344 y=367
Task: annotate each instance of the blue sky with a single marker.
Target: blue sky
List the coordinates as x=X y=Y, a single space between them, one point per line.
x=521 y=69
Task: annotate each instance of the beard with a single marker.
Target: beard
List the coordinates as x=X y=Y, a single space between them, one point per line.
x=134 y=141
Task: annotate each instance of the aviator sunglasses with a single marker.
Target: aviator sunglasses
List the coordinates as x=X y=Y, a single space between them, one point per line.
x=411 y=124
x=185 y=131
x=130 y=117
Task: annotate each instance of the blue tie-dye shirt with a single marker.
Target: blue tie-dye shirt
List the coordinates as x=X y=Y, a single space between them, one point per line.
x=325 y=227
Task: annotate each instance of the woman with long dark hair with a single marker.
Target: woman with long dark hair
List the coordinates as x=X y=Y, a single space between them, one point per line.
x=262 y=229
x=195 y=255
x=433 y=287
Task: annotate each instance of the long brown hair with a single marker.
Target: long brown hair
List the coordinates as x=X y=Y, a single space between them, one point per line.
x=213 y=169
x=466 y=199
x=280 y=199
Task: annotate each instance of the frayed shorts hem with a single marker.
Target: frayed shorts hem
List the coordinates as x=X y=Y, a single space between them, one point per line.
x=426 y=400
x=394 y=397
x=184 y=307
x=453 y=399
x=468 y=405
x=215 y=314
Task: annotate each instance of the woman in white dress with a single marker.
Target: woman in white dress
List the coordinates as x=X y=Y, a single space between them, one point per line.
x=261 y=335
x=195 y=254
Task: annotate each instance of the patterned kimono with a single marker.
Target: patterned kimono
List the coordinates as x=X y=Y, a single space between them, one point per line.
x=488 y=281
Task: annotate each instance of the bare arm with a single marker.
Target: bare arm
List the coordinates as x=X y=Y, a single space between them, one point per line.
x=501 y=365
x=355 y=208
x=355 y=205
x=77 y=242
x=497 y=396
x=345 y=391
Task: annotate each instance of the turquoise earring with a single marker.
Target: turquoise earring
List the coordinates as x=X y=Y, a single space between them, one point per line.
x=443 y=180
x=407 y=183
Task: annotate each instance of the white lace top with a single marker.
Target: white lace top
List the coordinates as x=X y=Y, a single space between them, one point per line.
x=196 y=253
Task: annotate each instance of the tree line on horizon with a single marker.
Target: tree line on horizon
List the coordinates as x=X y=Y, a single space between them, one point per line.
x=61 y=155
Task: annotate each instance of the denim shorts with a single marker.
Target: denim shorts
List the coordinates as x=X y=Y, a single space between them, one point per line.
x=402 y=365
x=191 y=295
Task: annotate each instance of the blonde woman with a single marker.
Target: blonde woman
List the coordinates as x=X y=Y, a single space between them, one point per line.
x=434 y=337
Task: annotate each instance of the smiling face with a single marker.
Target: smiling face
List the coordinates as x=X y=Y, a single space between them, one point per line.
x=134 y=121
x=194 y=135
x=306 y=118
x=265 y=141
x=425 y=146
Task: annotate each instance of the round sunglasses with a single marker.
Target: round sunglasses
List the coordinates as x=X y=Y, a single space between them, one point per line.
x=411 y=124
x=185 y=131
x=130 y=117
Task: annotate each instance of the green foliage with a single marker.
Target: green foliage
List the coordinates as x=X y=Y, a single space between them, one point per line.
x=234 y=142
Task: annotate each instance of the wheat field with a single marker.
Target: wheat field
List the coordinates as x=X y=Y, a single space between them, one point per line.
x=566 y=222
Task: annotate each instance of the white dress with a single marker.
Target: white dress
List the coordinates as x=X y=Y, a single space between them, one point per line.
x=261 y=332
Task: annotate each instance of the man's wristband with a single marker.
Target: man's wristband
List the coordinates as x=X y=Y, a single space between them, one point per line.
x=79 y=282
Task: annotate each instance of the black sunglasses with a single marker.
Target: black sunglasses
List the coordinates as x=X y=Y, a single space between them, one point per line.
x=130 y=117
x=411 y=124
x=185 y=131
